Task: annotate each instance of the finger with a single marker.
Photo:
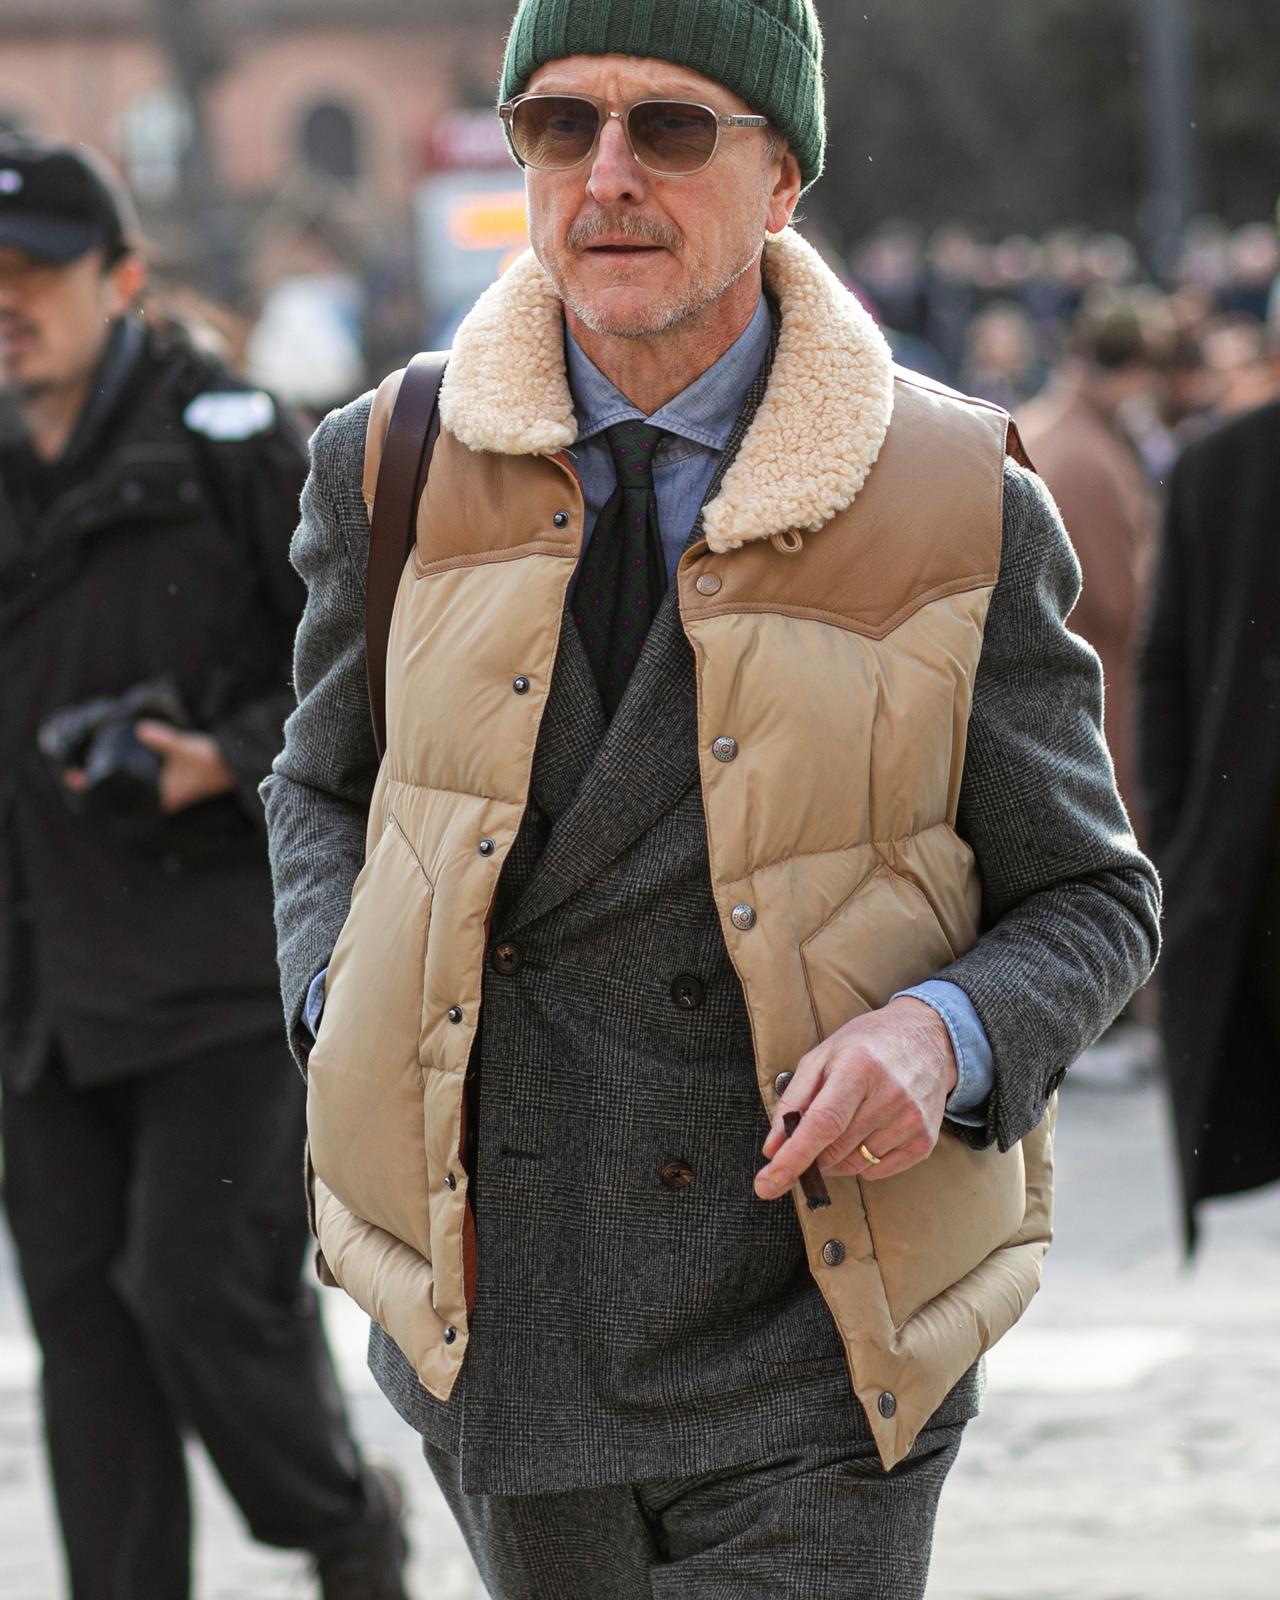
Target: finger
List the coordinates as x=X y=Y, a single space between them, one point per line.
x=157 y=736
x=873 y=1128
x=805 y=1082
x=899 y=1159
x=823 y=1122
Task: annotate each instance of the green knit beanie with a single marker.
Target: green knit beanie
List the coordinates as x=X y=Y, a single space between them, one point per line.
x=769 y=52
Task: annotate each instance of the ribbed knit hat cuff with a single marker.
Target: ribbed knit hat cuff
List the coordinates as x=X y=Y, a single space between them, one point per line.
x=741 y=45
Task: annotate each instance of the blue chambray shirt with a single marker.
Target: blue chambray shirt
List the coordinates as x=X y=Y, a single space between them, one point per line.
x=699 y=421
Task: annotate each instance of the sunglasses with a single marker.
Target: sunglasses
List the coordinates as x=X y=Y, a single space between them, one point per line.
x=674 y=138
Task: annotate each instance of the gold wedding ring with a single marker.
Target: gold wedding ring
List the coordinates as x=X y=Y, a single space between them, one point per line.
x=867 y=1156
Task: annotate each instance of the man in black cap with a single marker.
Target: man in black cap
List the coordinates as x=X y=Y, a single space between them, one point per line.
x=152 y=1119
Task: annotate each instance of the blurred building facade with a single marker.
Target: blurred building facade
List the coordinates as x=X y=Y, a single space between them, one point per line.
x=316 y=125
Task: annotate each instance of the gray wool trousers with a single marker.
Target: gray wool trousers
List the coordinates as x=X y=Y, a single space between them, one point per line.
x=824 y=1524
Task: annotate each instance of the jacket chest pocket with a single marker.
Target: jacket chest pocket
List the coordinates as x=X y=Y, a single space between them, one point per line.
x=365 y=1081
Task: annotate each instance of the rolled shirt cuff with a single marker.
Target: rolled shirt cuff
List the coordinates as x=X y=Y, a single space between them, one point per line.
x=975 y=1066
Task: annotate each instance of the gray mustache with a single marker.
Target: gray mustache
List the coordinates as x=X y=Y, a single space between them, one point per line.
x=586 y=231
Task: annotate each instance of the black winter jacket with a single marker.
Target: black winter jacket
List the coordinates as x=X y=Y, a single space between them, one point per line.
x=152 y=548
x=1210 y=753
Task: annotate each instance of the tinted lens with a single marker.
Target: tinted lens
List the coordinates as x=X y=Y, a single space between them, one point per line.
x=551 y=130
x=672 y=136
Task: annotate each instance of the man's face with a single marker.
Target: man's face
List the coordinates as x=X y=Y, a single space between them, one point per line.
x=55 y=318
x=632 y=253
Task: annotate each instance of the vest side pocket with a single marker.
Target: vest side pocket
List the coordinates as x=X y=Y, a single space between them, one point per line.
x=938 y=1220
x=365 y=1082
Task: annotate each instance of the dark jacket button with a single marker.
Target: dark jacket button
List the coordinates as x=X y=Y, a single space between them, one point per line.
x=507 y=958
x=687 y=991
x=887 y=1404
x=676 y=1175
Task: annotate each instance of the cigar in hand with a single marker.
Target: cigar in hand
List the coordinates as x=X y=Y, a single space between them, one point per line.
x=811 y=1184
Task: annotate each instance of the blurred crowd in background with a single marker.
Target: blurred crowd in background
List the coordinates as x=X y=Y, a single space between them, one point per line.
x=999 y=318
x=1108 y=373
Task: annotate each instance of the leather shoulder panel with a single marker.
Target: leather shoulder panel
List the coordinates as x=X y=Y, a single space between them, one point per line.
x=481 y=507
x=926 y=523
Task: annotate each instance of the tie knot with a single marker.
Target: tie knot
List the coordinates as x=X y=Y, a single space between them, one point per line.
x=631 y=445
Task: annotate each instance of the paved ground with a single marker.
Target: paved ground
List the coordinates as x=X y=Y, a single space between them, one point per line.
x=1130 y=1449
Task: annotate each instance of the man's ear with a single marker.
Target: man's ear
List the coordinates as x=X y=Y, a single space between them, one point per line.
x=785 y=193
x=126 y=280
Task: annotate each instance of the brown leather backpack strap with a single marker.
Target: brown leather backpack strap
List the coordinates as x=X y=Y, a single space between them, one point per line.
x=402 y=476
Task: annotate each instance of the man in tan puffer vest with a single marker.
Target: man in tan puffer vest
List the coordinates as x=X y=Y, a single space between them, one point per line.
x=741 y=777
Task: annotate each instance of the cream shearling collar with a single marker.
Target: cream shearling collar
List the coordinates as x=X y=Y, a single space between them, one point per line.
x=816 y=435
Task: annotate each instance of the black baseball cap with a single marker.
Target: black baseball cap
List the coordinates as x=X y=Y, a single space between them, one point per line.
x=58 y=202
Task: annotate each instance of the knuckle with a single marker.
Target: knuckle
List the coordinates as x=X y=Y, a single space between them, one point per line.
x=825 y=1123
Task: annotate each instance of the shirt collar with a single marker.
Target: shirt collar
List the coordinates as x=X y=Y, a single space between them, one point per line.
x=705 y=412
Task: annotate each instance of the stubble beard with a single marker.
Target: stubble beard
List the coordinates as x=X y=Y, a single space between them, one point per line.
x=662 y=316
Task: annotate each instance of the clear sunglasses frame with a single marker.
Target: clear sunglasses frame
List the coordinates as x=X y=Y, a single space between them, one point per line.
x=605 y=113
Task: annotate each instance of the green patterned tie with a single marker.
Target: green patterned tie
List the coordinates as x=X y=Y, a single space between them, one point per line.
x=623 y=575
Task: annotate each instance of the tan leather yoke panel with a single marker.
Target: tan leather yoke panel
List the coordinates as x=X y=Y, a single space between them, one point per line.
x=880 y=560
x=480 y=508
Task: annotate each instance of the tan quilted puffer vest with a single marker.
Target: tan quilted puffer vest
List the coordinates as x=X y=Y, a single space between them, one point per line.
x=836 y=641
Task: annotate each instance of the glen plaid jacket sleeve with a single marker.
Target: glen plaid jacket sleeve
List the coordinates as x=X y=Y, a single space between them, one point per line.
x=317 y=797
x=1070 y=905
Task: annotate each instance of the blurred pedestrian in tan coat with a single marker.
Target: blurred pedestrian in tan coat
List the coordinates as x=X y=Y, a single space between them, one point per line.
x=1075 y=434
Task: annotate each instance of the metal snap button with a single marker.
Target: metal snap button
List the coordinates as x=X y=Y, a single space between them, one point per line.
x=561 y=519
x=725 y=748
x=708 y=583
x=450 y=1182
x=887 y=1404
x=781 y=1081
x=450 y=1334
x=486 y=847
x=455 y=1013
x=743 y=917
x=521 y=686
x=833 y=1252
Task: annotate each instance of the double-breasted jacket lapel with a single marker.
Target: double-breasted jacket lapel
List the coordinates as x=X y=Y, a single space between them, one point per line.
x=645 y=760
x=573 y=726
